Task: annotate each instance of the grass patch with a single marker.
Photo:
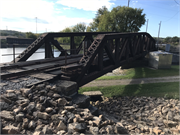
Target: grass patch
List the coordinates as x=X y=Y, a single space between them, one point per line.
x=143 y=72
x=166 y=90
x=65 y=47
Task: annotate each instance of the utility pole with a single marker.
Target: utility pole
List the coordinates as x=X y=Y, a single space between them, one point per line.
x=128 y=2
x=6 y=27
x=147 y=25
x=36 y=25
x=158 y=34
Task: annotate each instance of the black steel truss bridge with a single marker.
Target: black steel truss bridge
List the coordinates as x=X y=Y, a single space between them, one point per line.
x=97 y=54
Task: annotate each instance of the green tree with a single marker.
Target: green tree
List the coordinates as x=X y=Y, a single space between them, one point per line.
x=80 y=27
x=105 y=22
x=127 y=19
x=93 y=26
x=167 y=40
x=119 y=19
x=175 y=39
x=65 y=40
x=31 y=35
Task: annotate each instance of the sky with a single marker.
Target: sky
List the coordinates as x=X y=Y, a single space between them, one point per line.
x=55 y=15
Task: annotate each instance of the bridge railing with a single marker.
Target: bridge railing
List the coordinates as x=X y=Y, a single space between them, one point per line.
x=50 y=39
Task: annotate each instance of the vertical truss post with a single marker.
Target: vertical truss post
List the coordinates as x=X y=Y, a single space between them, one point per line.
x=84 y=47
x=131 y=47
x=139 y=45
x=14 y=53
x=123 y=49
x=142 y=44
x=109 y=51
x=147 y=43
x=127 y=49
x=48 y=50
x=72 y=45
x=117 y=50
x=110 y=43
x=100 y=59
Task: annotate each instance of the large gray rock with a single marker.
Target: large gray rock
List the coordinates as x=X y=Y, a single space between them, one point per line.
x=5 y=99
x=110 y=129
x=39 y=128
x=67 y=87
x=94 y=95
x=120 y=130
x=93 y=110
x=169 y=115
x=176 y=118
x=26 y=92
x=62 y=101
x=61 y=132
x=61 y=126
x=17 y=110
x=70 y=128
x=3 y=105
x=80 y=127
x=19 y=117
x=10 y=129
x=43 y=115
x=11 y=96
x=25 y=123
x=23 y=102
x=94 y=130
x=39 y=107
x=156 y=130
x=81 y=100
x=7 y=115
x=32 y=125
x=170 y=124
x=47 y=130
x=69 y=108
x=38 y=133
x=30 y=107
x=49 y=109
x=55 y=95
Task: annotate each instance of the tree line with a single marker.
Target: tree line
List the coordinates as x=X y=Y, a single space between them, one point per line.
x=169 y=40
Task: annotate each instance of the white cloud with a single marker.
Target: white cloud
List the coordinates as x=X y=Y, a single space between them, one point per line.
x=88 y=5
x=26 y=8
x=20 y=15
x=134 y=4
x=66 y=8
x=63 y=21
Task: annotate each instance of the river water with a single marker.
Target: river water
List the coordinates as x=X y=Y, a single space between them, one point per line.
x=39 y=54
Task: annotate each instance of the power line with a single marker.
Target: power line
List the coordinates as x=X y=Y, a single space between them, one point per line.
x=155 y=6
x=171 y=17
x=159 y=14
x=176 y=2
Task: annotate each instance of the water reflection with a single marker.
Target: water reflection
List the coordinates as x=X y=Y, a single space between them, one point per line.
x=38 y=55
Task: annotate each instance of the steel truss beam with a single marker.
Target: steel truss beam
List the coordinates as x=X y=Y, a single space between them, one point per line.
x=104 y=53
